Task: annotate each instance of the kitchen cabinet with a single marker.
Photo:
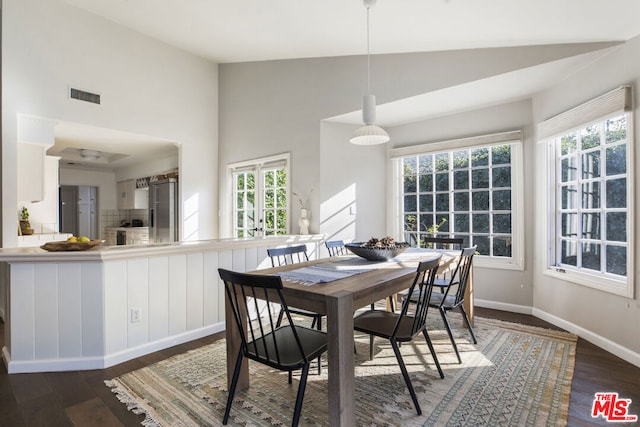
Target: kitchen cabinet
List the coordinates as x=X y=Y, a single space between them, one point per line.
x=133 y=235
x=31 y=172
x=130 y=197
x=138 y=236
x=110 y=237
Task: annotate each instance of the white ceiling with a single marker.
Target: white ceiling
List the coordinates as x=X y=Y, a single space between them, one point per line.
x=227 y=31
x=257 y=30
x=115 y=149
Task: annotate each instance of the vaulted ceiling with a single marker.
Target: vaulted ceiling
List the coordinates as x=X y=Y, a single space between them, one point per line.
x=258 y=30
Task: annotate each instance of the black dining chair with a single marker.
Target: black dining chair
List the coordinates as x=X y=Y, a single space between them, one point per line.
x=452 y=243
x=452 y=295
x=336 y=248
x=443 y=243
x=286 y=348
x=287 y=255
x=294 y=255
x=404 y=326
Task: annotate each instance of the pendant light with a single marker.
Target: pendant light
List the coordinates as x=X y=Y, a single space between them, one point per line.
x=369 y=134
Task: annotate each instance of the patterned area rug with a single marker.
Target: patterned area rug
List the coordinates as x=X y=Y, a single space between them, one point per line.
x=515 y=375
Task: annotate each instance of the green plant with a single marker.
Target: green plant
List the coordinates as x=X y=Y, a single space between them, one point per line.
x=435 y=227
x=24 y=214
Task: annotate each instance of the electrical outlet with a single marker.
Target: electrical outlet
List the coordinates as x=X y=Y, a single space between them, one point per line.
x=136 y=315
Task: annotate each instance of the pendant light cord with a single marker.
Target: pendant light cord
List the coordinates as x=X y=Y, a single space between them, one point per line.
x=368 y=57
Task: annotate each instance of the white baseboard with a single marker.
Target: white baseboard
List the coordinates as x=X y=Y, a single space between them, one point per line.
x=132 y=353
x=602 y=342
x=513 y=308
x=101 y=362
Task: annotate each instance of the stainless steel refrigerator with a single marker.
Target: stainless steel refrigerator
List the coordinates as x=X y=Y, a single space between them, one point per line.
x=163 y=211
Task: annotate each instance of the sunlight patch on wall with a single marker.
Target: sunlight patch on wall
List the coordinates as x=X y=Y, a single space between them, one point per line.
x=338 y=215
x=190 y=224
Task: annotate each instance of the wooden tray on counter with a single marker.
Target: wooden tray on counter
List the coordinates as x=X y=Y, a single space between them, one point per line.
x=70 y=246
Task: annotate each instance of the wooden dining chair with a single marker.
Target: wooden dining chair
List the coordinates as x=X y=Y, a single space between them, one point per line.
x=293 y=255
x=404 y=326
x=286 y=347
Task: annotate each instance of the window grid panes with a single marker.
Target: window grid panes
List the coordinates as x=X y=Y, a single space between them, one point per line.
x=260 y=201
x=591 y=198
x=463 y=193
x=244 y=204
x=274 y=192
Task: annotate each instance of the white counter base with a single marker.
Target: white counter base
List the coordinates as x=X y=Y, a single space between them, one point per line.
x=74 y=310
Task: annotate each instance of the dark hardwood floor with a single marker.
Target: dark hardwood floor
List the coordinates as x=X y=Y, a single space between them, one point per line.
x=81 y=398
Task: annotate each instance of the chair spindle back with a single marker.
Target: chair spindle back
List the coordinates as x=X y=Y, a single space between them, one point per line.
x=288 y=255
x=422 y=288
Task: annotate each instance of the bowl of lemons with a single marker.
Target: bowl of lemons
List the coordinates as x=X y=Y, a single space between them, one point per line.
x=73 y=243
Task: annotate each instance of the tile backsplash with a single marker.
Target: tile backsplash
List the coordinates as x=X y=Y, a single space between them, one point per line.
x=114 y=217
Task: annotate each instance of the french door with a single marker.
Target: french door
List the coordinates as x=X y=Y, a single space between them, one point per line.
x=260 y=200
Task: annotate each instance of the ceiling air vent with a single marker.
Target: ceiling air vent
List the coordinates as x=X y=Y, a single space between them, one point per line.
x=84 y=96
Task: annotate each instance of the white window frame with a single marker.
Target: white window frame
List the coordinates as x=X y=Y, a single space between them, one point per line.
x=608 y=105
x=513 y=138
x=257 y=166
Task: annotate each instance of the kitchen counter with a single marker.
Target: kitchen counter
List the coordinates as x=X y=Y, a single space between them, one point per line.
x=133 y=235
x=127 y=228
x=94 y=309
x=38 y=239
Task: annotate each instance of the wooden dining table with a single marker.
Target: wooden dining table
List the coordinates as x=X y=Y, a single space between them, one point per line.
x=338 y=300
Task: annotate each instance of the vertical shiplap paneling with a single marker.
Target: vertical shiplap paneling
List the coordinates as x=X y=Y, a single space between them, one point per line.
x=251 y=259
x=263 y=259
x=225 y=260
x=239 y=260
x=4 y=292
x=138 y=297
x=70 y=311
x=177 y=294
x=211 y=291
x=158 y=297
x=46 y=311
x=94 y=328
x=115 y=306
x=195 y=291
x=21 y=299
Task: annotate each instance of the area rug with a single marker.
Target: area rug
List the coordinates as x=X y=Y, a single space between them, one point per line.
x=515 y=375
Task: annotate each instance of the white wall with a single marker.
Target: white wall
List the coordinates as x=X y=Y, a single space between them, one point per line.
x=505 y=289
x=104 y=180
x=271 y=107
x=608 y=320
x=147 y=87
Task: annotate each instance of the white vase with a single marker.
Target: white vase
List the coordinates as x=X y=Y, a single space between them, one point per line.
x=303 y=222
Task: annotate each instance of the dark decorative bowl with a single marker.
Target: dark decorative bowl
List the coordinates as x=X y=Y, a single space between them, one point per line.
x=376 y=254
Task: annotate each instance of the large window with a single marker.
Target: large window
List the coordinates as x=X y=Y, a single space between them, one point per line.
x=260 y=197
x=468 y=192
x=591 y=201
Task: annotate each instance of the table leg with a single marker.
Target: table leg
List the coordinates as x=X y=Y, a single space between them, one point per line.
x=233 y=346
x=341 y=359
